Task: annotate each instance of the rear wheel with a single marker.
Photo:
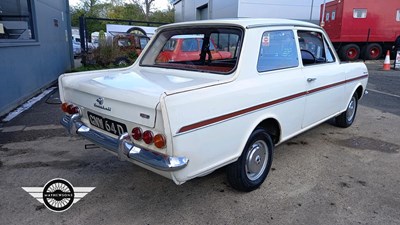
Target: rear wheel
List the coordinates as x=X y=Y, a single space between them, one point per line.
x=373 y=51
x=347 y=117
x=350 y=52
x=252 y=167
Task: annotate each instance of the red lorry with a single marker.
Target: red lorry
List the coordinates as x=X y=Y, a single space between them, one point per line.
x=362 y=29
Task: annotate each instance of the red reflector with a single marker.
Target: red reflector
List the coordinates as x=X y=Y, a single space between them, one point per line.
x=159 y=141
x=137 y=133
x=71 y=109
x=64 y=107
x=148 y=137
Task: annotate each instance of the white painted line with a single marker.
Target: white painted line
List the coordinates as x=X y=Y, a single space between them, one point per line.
x=384 y=93
x=44 y=127
x=32 y=128
x=27 y=105
x=12 y=129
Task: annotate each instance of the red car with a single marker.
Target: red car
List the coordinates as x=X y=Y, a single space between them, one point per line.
x=188 y=48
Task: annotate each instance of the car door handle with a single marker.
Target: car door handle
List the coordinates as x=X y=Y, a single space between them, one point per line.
x=311 y=79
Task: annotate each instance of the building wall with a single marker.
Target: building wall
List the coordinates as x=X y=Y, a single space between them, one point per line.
x=28 y=66
x=185 y=10
x=224 y=9
x=288 y=9
x=189 y=10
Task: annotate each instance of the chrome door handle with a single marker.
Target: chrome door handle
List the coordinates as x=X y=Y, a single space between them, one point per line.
x=311 y=79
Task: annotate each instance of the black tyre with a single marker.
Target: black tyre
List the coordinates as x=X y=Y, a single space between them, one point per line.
x=252 y=167
x=136 y=30
x=373 y=51
x=350 y=52
x=347 y=117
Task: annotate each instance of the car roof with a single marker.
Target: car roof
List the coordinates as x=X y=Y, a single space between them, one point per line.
x=247 y=23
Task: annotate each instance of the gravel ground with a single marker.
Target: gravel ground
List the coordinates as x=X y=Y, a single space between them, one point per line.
x=327 y=175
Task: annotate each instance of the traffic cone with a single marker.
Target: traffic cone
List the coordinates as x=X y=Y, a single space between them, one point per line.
x=386 y=63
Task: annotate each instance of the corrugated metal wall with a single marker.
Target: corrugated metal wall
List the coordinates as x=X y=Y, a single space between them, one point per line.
x=288 y=9
x=186 y=10
x=30 y=65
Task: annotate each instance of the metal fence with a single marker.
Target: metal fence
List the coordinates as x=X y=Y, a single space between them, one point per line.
x=85 y=35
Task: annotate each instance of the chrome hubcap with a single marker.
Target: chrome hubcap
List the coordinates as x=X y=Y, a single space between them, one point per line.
x=256 y=160
x=351 y=110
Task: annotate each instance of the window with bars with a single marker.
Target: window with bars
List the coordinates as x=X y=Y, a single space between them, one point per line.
x=16 y=20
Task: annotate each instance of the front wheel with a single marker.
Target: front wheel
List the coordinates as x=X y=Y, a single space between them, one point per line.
x=347 y=117
x=252 y=167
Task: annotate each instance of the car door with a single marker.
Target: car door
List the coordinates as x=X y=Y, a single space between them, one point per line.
x=324 y=78
x=281 y=81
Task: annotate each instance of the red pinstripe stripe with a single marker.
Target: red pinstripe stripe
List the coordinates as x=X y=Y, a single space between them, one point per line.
x=263 y=105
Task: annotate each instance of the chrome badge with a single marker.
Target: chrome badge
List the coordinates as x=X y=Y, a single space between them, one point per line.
x=100 y=104
x=100 y=101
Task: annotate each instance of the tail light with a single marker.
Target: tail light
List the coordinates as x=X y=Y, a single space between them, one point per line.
x=159 y=141
x=137 y=133
x=69 y=108
x=148 y=137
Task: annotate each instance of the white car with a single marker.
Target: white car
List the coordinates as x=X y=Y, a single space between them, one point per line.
x=186 y=119
x=76 y=48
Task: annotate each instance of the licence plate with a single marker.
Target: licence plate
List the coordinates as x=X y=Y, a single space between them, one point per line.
x=108 y=125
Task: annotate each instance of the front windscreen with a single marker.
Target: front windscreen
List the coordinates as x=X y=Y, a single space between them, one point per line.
x=206 y=49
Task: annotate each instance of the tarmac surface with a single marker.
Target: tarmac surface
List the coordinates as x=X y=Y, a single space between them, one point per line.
x=327 y=175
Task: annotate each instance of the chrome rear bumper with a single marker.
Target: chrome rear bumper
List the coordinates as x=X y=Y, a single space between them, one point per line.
x=123 y=146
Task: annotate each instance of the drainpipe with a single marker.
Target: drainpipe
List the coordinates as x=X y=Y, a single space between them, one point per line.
x=312 y=6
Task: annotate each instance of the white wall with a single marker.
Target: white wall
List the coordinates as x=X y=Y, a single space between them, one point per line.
x=185 y=10
x=179 y=11
x=289 y=9
x=224 y=9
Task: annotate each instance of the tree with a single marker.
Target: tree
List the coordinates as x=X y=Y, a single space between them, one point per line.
x=163 y=16
x=127 y=12
x=91 y=8
x=76 y=12
x=147 y=4
x=117 y=9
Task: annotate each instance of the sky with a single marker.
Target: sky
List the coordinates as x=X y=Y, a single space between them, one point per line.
x=158 y=4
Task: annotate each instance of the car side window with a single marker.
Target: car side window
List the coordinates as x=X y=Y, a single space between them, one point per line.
x=212 y=48
x=170 y=45
x=143 y=42
x=314 y=48
x=329 y=54
x=277 y=51
x=190 y=45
